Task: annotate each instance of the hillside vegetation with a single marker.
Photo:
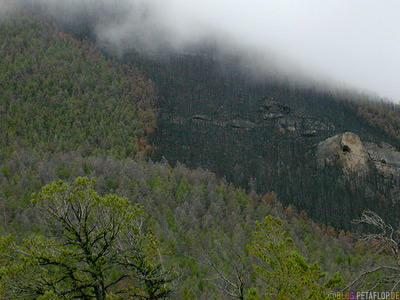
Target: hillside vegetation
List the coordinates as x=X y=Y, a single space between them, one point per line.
x=384 y=116
x=67 y=113
x=197 y=218
x=59 y=94
x=263 y=132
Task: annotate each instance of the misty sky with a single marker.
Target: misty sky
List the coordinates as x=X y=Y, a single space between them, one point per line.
x=354 y=42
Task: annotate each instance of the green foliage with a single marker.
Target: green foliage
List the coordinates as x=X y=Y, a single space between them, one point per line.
x=206 y=213
x=66 y=112
x=282 y=272
x=94 y=248
x=59 y=94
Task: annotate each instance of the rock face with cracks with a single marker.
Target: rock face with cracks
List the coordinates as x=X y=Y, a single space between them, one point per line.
x=345 y=150
x=354 y=156
x=385 y=158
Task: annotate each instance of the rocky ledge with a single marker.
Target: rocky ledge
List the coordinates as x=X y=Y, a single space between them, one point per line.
x=355 y=156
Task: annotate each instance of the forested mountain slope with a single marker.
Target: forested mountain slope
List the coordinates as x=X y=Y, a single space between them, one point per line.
x=263 y=131
x=198 y=218
x=59 y=94
x=66 y=112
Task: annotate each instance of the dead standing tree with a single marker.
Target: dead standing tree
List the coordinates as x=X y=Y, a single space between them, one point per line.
x=384 y=240
x=234 y=283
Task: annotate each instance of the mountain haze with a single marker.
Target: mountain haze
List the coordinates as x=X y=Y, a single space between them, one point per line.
x=263 y=132
x=341 y=42
x=206 y=142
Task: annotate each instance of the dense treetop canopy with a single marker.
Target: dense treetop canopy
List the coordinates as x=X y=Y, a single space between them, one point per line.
x=60 y=94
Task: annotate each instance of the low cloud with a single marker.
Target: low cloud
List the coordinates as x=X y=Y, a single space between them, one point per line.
x=355 y=42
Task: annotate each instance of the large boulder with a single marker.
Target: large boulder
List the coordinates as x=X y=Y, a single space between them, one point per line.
x=345 y=150
x=354 y=156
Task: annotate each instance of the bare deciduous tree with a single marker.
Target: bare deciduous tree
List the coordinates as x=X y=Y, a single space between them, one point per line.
x=233 y=285
x=384 y=240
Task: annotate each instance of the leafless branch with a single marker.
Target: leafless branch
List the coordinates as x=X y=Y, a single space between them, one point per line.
x=385 y=240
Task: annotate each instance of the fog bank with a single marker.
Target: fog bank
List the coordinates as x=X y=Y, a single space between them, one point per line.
x=355 y=42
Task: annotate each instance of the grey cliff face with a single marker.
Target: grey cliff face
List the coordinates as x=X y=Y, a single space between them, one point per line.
x=345 y=150
x=355 y=156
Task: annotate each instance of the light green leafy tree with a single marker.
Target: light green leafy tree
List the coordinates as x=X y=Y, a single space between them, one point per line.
x=93 y=247
x=282 y=273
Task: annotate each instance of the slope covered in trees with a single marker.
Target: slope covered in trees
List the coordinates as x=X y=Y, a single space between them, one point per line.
x=263 y=131
x=256 y=129
x=74 y=111
x=59 y=94
x=199 y=220
x=384 y=116
x=253 y=129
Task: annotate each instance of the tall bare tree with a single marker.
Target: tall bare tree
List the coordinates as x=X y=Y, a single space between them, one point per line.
x=384 y=239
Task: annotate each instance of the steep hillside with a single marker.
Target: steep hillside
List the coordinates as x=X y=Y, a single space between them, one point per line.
x=263 y=132
x=258 y=131
x=76 y=108
x=59 y=94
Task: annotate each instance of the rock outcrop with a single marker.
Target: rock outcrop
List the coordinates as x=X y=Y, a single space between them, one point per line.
x=354 y=156
x=345 y=150
x=272 y=115
x=275 y=109
x=291 y=121
x=385 y=158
